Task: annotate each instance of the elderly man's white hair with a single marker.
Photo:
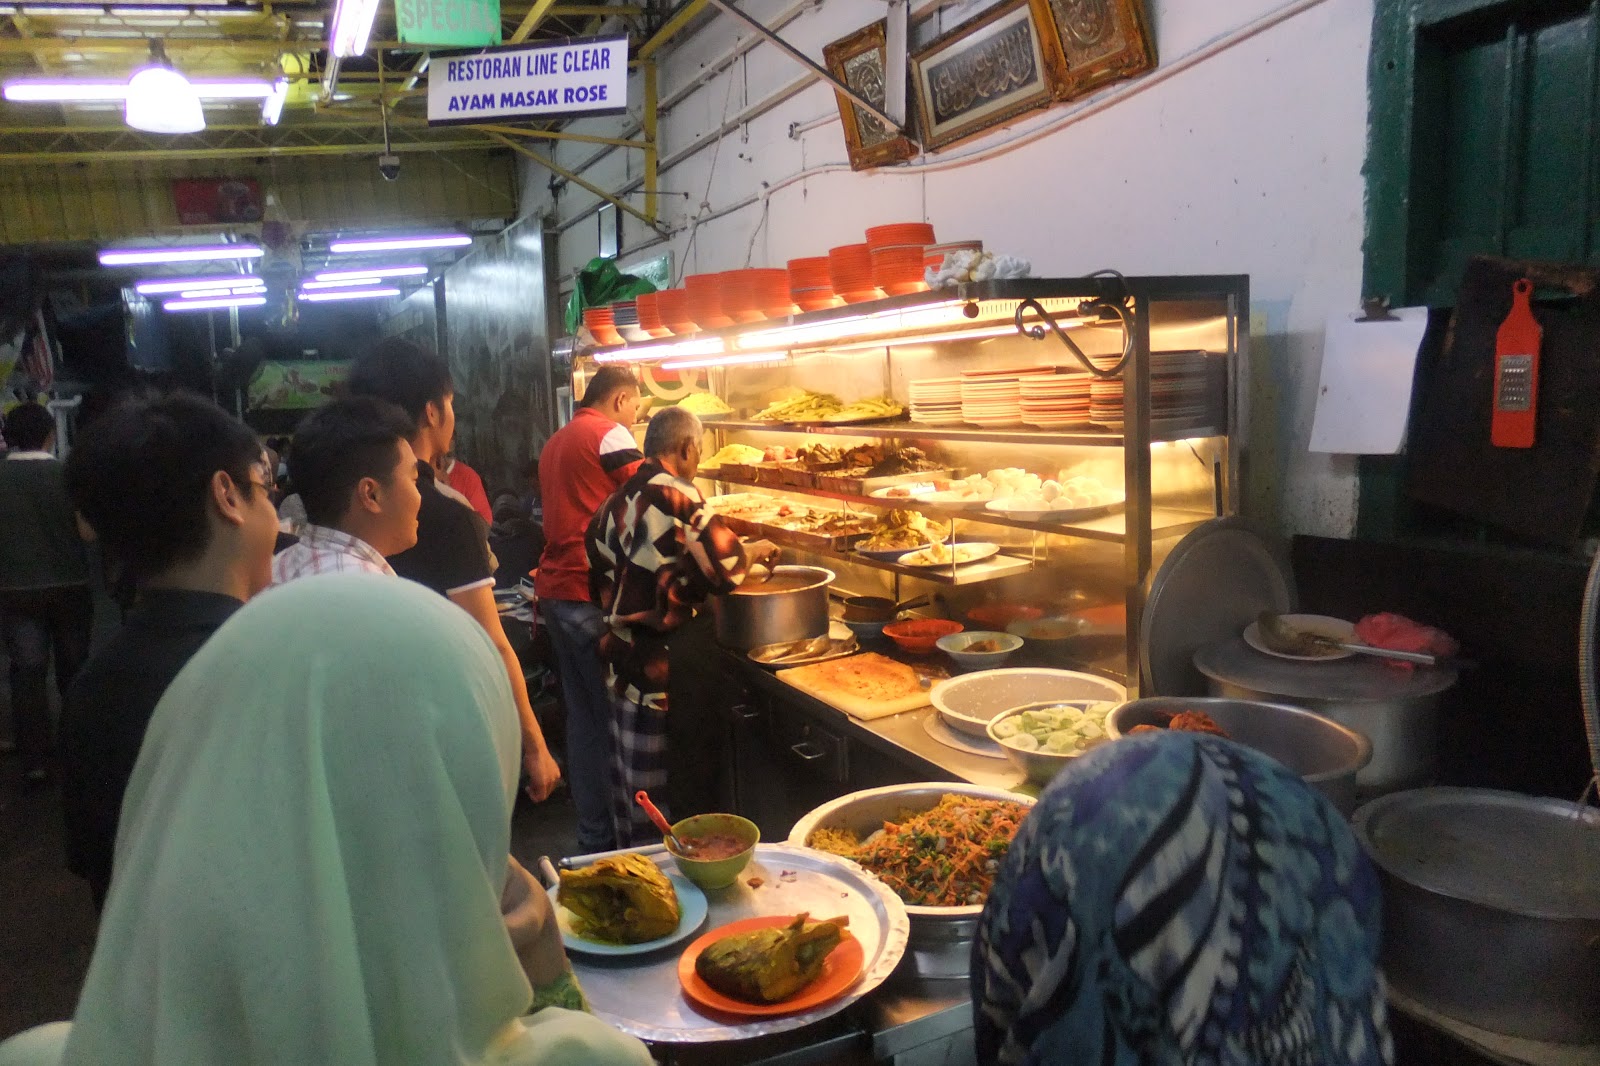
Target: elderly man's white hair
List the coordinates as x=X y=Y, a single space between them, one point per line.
x=669 y=429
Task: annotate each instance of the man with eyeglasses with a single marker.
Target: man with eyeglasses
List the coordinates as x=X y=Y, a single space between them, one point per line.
x=178 y=495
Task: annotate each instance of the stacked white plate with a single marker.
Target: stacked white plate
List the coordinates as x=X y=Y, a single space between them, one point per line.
x=1055 y=401
x=992 y=398
x=936 y=401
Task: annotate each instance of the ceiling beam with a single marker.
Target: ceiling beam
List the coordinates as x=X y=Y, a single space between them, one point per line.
x=138 y=155
x=531 y=20
x=671 y=28
x=552 y=166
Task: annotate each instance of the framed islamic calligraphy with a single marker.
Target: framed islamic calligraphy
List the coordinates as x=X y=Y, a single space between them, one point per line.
x=860 y=61
x=985 y=71
x=1101 y=41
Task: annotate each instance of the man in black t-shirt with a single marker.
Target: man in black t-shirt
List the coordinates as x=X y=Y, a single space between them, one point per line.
x=452 y=551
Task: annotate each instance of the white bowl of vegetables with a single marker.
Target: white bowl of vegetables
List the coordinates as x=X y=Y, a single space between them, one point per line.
x=1041 y=738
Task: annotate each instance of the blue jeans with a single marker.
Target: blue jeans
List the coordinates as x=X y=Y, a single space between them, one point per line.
x=575 y=627
x=34 y=623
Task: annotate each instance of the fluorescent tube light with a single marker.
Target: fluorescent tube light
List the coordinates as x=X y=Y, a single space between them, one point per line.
x=212 y=303
x=394 y=244
x=7 y=9
x=56 y=10
x=215 y=281
x=347 y=294
x=272 y=106
x=190 y=254
x=352 y=26
x=232 y=88
x=149 y=12
x=55 y=90
x=666 y=350
x=375 y=272
x=747 y=359
x=205 y=294
x=229 y=12
x=368 y=281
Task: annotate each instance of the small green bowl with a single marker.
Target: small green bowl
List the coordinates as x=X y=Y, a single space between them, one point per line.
x=716 y=873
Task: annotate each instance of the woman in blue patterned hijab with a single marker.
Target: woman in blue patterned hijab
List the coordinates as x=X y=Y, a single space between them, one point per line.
x=1176 y=898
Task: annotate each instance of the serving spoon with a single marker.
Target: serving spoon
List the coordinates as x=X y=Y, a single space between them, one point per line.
x=642 y=798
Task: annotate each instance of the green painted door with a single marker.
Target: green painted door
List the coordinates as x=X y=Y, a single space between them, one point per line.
x=1483 y=139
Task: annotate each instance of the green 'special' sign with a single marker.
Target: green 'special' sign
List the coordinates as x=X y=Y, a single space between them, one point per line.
x=463 y=23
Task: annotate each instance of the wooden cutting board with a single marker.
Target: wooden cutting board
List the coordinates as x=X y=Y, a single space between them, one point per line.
x=864 y=686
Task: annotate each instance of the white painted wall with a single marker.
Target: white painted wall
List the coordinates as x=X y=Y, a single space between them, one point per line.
x=1241 y=154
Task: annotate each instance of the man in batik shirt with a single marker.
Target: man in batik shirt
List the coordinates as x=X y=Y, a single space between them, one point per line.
x=655 y=553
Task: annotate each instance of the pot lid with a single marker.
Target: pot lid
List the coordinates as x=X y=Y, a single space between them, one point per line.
x=1359 y=679
x=1213 y=583
x=1526 y=855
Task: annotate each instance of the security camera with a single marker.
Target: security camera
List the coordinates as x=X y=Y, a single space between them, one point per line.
x=389 y=166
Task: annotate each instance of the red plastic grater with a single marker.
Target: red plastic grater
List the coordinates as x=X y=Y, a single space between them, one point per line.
x=1516 y=372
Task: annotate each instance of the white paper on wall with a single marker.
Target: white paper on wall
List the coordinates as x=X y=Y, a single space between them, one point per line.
x=1364 y=395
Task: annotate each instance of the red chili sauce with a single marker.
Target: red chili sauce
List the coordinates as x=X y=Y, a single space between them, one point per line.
x=712 y=846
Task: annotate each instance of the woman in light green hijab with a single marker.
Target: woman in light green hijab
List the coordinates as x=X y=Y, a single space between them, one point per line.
x=312 y=853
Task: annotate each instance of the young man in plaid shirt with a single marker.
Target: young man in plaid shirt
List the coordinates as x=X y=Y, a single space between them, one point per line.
x=655 y=553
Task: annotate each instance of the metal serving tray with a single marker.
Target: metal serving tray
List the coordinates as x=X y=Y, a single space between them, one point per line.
x=641 y=995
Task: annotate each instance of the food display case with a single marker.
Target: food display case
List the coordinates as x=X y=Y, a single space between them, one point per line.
x=1044 y=441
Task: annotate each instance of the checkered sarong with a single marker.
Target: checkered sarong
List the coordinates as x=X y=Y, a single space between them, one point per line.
x=639 y=743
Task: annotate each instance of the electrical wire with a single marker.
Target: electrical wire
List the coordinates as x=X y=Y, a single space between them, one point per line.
x=705 y=199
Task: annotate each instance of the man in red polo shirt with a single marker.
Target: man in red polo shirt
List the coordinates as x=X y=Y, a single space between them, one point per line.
x=580 y=467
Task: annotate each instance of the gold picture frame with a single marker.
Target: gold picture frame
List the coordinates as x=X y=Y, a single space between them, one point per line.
x=986 y=71
x=860 y=61
x=1100 y=41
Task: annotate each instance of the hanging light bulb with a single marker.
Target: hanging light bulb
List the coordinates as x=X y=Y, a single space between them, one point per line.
x=160 y=100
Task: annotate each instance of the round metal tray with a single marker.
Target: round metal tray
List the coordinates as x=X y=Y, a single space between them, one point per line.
x=1214 y=582
x=642 y=996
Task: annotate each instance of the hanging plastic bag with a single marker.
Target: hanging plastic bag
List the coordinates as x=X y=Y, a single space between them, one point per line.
x=598 y=284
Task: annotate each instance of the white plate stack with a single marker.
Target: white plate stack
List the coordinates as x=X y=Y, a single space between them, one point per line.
x=993 y=398
x=936 y=401
x=1055 y=401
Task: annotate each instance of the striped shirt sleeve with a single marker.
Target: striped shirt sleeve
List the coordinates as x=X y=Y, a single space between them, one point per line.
x=619 y=458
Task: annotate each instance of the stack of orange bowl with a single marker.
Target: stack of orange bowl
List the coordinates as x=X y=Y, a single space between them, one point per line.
x=809 y=286
x=739 y=296
x=673 y=304
x=899 y=235
x=850 y=273
x=771 y=288
x=601 y=325
x=897 y=256
x=650 y=315
x=705 y=301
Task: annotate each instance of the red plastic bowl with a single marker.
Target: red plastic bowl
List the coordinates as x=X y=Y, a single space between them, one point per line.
x=919 y=635
x=999 y=615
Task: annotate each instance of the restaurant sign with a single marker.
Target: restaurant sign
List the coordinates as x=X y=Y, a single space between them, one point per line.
x=463 y=23
x=575 y=76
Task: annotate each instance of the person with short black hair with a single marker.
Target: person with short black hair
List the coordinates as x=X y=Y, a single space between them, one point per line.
x=452 y=550
x=357 y=477
x=583 y=463
x=177 y=493
x=46 y=610
x=656 y=552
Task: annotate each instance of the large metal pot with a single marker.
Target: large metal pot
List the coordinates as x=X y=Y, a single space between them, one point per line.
x=941 y=937
x=1397 y=710
x=1324 y=753
x=750 y=619
x=1491 y=907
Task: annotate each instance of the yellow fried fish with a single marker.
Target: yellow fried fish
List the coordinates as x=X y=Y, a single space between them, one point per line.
x=770 y=965
x=625 y=899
